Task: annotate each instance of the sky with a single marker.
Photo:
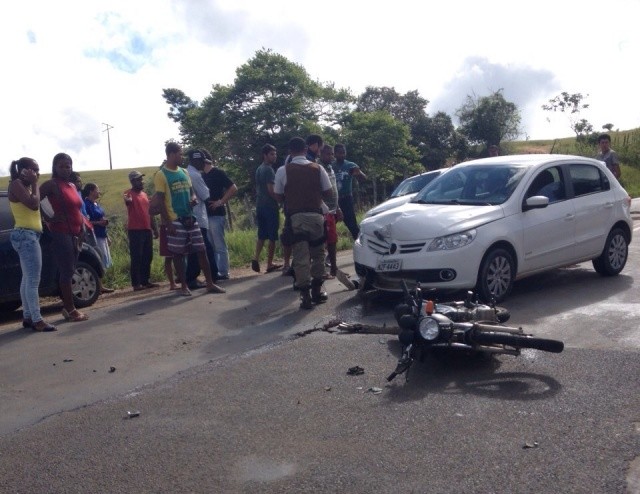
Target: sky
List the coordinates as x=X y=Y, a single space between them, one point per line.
x=74 y=68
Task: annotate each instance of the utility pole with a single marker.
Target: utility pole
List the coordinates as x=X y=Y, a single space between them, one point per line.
x=108 y=128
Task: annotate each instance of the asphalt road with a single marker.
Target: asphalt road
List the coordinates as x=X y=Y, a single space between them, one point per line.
x=232 y=398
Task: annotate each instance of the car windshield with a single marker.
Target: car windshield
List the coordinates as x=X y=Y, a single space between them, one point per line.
x=473 y=184
x=413 y=184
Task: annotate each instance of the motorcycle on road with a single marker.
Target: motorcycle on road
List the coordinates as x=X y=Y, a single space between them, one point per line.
x=464 y=326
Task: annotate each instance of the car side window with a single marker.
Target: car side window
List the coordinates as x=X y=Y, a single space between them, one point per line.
x=548 y=183
x=6 y=217
x=587 y=179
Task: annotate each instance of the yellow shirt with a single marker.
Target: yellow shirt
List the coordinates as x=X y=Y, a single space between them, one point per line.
x=26 y=217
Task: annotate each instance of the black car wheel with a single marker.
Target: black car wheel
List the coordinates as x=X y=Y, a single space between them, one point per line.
x=614 y=256
x=85 y=285
x=496 y=276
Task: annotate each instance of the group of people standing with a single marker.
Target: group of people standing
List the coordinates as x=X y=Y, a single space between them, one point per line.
x=315 y=188
x=191 y=206
x=66 y=224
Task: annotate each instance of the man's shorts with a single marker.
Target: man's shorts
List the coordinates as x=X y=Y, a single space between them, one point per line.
x=164 y=248
x=185 y=240
x=268 y=223
x=330 y=230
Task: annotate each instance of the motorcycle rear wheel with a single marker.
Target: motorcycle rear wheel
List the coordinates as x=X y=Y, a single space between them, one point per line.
x=518 y=341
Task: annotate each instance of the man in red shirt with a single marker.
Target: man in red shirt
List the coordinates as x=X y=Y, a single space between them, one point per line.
x=140 y=225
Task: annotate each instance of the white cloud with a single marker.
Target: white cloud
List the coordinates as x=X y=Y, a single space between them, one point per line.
x=72 y=65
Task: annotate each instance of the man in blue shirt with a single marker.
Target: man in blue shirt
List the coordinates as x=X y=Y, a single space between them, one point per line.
x=345 y=171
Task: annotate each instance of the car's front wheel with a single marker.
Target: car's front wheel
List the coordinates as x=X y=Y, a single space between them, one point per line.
x=85 y=285
x=496 y=275
x=614 y=256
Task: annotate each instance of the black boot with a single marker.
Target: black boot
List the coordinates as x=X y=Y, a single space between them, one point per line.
x=318 y=296
x=305 y=298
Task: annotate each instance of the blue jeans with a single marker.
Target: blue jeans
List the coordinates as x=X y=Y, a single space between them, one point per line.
x=27 y=244
x=216 y=237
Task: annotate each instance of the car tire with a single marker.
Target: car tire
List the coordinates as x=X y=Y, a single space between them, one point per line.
x=615 y=254
x=85 y=285
x=10 y=306
x=496 y=276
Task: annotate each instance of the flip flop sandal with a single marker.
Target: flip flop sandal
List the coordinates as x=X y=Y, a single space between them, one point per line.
x=74 y=316
x=184 y=292
x=274 y=267
x=255 y=265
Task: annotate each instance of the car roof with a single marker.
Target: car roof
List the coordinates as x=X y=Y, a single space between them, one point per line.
x=529 y=160
x=430 y=172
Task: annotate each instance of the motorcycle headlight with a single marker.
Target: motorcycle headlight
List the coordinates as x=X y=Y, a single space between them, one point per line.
x=429 y=328
x=454 y=241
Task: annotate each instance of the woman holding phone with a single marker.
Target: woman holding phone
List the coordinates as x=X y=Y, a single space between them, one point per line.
x=24 y=201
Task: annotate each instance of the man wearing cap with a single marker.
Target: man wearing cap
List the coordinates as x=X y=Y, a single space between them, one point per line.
x=303 y=185
x=199 y=164
x=140 y=225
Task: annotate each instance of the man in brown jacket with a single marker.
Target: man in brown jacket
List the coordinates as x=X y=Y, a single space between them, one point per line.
x=302 y=185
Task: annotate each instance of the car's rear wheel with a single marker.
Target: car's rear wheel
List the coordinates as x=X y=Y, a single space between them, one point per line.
x=85 y=285
x=496 y=276
x=614 y=256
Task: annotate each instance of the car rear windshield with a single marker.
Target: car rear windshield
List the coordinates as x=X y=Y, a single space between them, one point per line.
x=475 y=184
x=413 y=184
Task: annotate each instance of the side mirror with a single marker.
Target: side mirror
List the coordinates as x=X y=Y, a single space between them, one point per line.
x=535 y=202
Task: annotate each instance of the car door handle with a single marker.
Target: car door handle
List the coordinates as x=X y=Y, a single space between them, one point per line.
x=569 y=217
x=608 y=205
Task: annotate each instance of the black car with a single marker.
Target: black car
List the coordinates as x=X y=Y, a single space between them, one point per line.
x=86 y=279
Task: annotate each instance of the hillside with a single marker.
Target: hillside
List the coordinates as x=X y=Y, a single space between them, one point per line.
x=113 y=182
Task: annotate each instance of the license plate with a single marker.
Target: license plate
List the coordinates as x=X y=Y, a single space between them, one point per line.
x=389 y=265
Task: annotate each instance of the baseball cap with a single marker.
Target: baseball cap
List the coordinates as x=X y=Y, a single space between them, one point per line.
x=135 y=174
x=195 y=154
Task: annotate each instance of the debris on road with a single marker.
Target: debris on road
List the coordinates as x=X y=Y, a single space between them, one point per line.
x=133 y=414
x=112 y=369
x=355 y=371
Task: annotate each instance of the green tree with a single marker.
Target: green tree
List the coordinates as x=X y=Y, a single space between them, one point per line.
x=408 y=108
x=436 y=140
x=271 y=100
x=379 y=144
x=571 y=105
x=435 y=137
x=489 y=119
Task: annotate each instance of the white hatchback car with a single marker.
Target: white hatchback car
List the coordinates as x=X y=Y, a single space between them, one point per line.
x=404 y=192
x=486 y=223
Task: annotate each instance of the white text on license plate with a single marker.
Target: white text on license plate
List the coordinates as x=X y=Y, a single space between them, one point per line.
x=389 y=265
